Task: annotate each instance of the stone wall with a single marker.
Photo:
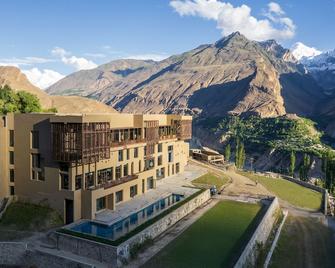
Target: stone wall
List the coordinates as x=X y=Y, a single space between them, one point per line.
x=87 y=248
x=117 y=256
x=12 y=253
x=261 y=234
x=157 y=228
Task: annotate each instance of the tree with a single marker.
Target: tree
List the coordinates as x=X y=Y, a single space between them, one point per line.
x=329 y=170
x=305 y=167
x=292 y=163
x=237 y=153
x=227 y=152
x=240 y=154
x=28 y=103
x=21 y=101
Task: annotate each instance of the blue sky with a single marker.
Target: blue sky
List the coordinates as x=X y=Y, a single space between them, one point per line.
x=49 y=39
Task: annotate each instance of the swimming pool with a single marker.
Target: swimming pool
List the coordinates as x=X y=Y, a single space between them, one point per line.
x=127 y=224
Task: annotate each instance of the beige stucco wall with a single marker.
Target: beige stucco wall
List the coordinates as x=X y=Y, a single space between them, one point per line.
x=49 y=191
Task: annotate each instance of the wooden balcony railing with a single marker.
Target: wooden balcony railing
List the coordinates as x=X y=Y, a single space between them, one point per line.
x=107 y=185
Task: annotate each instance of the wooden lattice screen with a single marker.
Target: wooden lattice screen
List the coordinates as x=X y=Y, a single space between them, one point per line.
x=81 y=142
x=151 y=136
x=183 y=129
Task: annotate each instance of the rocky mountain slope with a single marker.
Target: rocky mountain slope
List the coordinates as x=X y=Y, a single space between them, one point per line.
x=232 y=76
x=13 y=77
x=322 y=67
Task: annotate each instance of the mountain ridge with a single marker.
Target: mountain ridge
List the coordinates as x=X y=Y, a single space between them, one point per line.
x=13 y=77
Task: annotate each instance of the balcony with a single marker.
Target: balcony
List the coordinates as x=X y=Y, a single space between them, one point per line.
x=113 y=183
x=126 y=142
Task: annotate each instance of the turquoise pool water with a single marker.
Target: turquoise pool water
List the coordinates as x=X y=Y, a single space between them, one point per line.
x=125 y=225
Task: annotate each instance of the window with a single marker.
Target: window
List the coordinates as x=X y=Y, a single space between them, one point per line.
x=89 y=179
x=101 y=203
x=40 y=175
x=177 y=167
x=149 y=163
x=118 y=172
x=35 y=160
x=139 y=166
x=135 y=152
x=133 y=190
x=159 y=160
x=78 y=182
x=120 y=157
x=160 y=173
x=35 y=143
x=11 y=138
x=125 y=170
x=170 y=153
x=34 y=175
x=104 y=175
x=128 y=154
x=132 y=168
x=64 y=180
x=160 y=147
x=11 y=157
x=11 y=190
x=11 y=175
x=119 y=196
x=150 y=183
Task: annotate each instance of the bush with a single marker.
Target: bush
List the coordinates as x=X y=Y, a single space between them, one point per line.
x=22 y=102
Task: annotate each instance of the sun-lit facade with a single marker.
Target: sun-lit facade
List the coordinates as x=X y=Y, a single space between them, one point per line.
x=80 y=164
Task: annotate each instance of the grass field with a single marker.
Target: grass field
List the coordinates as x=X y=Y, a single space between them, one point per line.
x=212 y=179
x=291 y=192
x=22 y=219
x=212 y=241
x=304 y=242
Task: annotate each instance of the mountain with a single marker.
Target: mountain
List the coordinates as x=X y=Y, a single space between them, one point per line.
x=13 y=77
x=322 y=68
x=301 y=51
x=232 y=76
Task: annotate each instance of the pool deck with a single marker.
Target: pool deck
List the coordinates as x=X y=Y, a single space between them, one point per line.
x=164 y=187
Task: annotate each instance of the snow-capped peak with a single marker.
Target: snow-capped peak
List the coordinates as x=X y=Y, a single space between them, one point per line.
x=300 y=50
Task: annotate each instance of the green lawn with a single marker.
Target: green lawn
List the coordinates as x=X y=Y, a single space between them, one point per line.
x=29 y=217
x=289 y=191
x=304 y=242
x=212 y=179
x=212 y=241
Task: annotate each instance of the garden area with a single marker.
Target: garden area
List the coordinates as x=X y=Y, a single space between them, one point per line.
x=291 y=192
x=24 y=219
x=212 y=179
x=304 y=242
x=215 y=240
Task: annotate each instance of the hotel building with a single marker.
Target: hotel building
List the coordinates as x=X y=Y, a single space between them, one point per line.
x=80 y=164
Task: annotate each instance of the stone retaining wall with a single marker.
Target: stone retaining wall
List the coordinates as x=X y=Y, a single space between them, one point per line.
x=117 y=256
x=261 y=234
x=87 y=248
x=12 y=253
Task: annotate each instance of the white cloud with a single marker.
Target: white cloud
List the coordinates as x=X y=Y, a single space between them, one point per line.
x=95 y=55
x=155 y=57
x=231 y=19
x=42 y=78
x=300 y=50
x=26 y=61
x=275 y=8
x=79 y=63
